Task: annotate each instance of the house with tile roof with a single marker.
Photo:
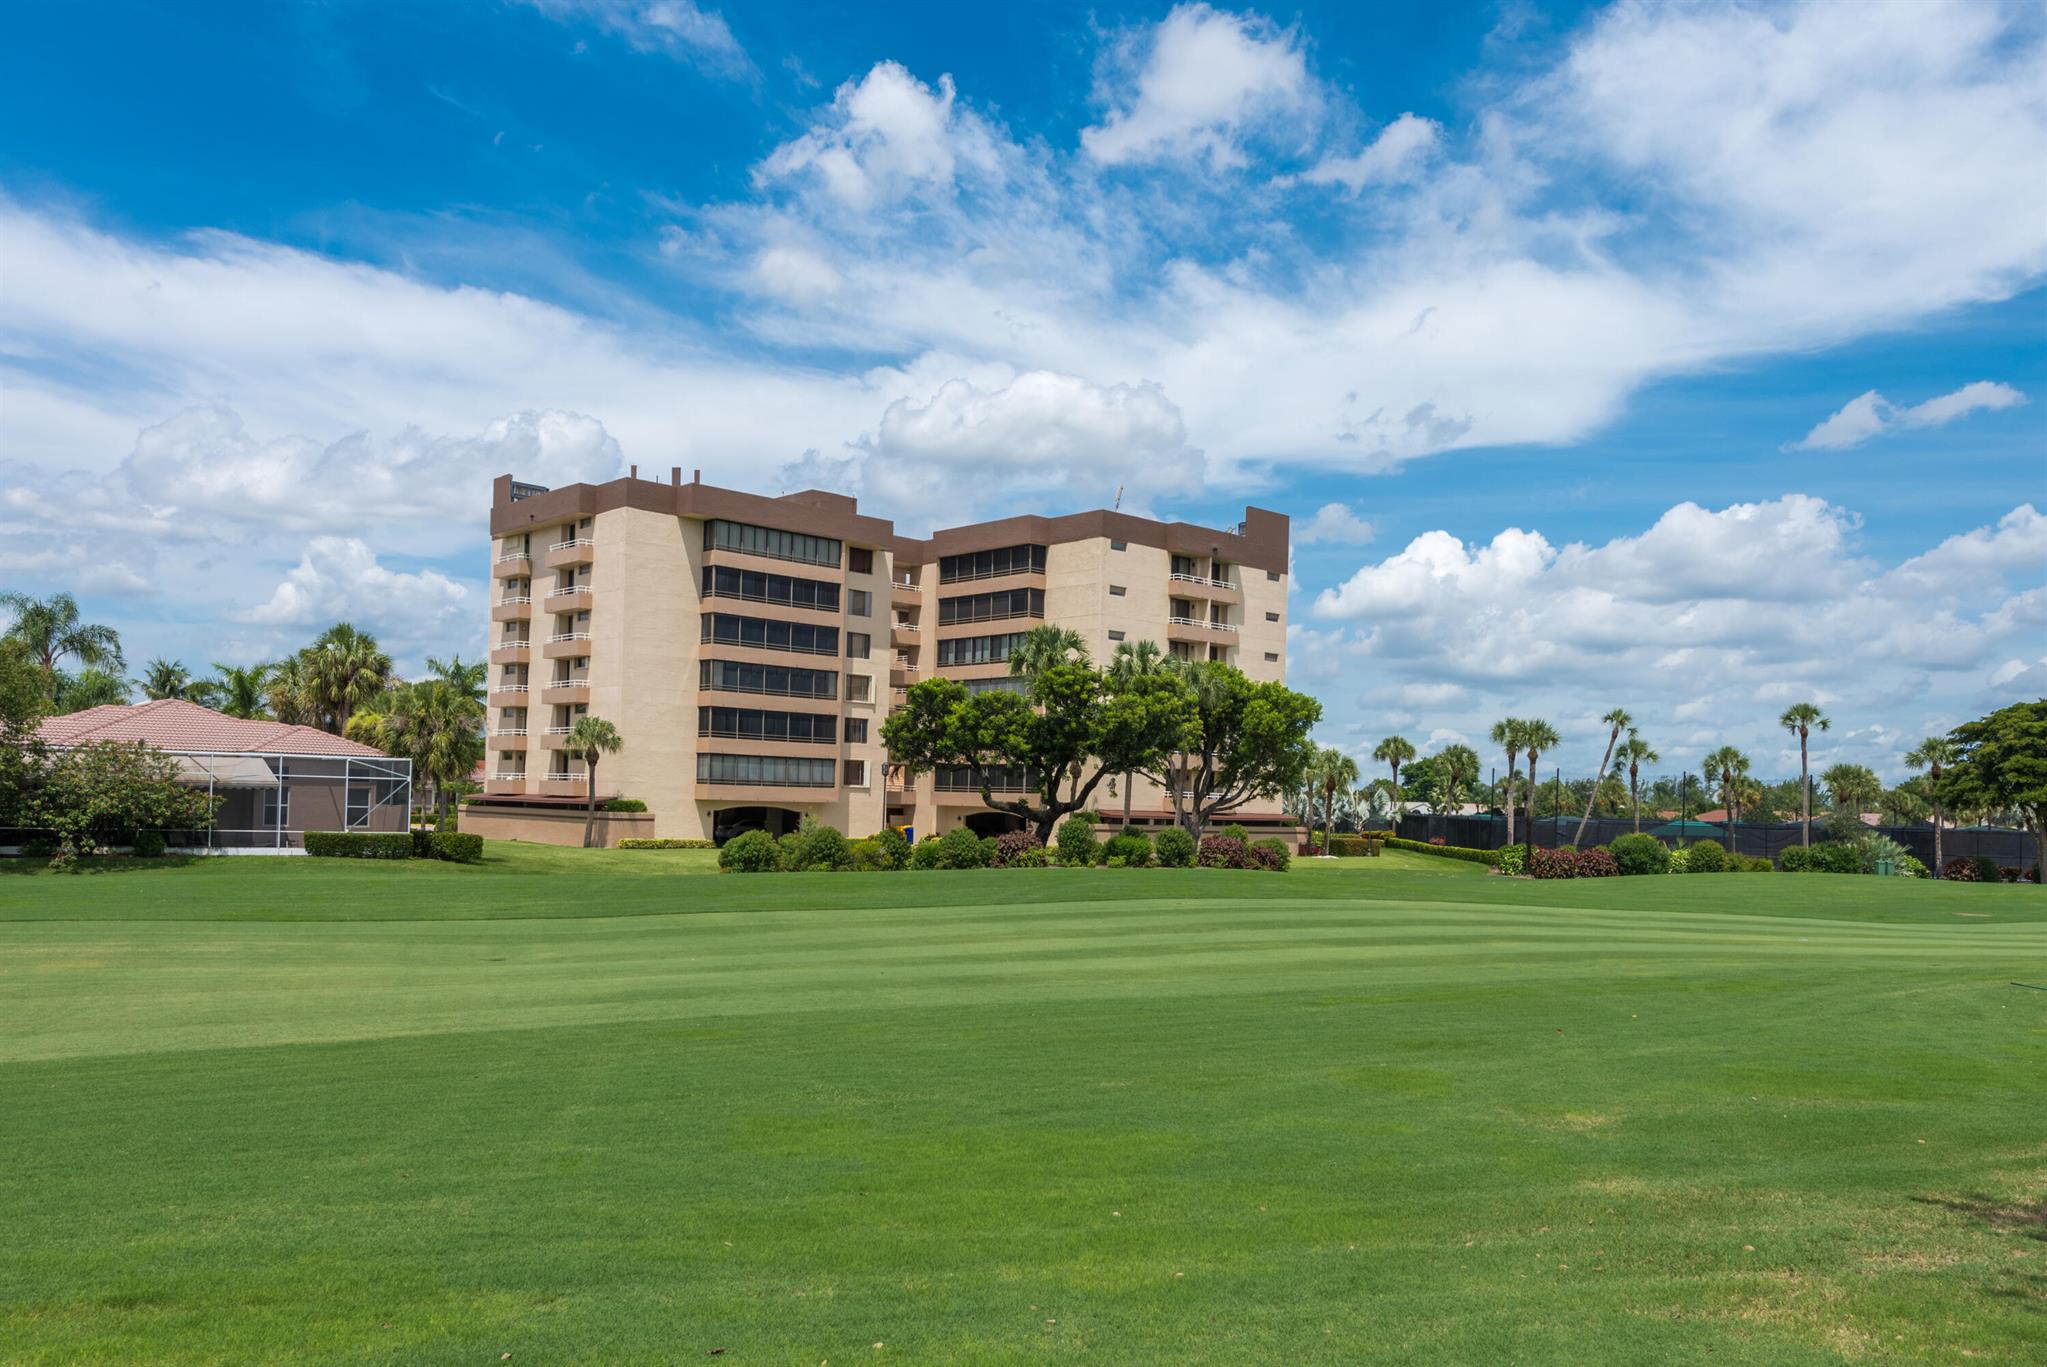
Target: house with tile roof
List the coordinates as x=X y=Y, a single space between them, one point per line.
x=275 y=781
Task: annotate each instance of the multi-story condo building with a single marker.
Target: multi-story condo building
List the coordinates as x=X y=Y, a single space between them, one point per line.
x=749 y=648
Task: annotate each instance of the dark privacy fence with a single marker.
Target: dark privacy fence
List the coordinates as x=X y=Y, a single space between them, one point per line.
x=2007 y=847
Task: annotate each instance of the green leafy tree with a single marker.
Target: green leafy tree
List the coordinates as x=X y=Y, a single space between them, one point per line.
x=107 y=791
x=239 y=690
x=590 y=740
x=1332 y=770
x=1902 y=806
x=52 y=631
x=1510 y=733
x=345 y=668
x=1132 y=660
x=1727 y=766
x=1458 y=765
x=1636 y=752
x=1065 y=736
x=2002 y=764
x=23 y=705
x=1043 y=647
x=467 y=679
x=1241 y=740
x=433 y=723
x=1852 y=788
x=288 y=687
x=87 y=688
x=1801 y=720
x=1617 y=721
x=1933 y=755
x=1393 y=752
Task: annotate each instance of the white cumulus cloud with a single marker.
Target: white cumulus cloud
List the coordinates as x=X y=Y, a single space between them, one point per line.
x=1871 y=415
x=1194 y=85
x=1334 y=524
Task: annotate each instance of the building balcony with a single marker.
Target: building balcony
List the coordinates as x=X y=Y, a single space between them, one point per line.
x=1207 y=589
x=901 y=675
x=554 y=738
x=517 y=566
x=507 y=695
x=565 y=554
x=567 y=600
x=903 y=637
x=565 y=785
x=566 y=645
x=905 y=596
x=511 y=609
x=1203 y=630
x=511 y=652
x=576 y=691
x=508 y=784
x=503 y=731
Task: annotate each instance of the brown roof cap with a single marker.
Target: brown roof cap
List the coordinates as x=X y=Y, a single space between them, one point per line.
x=176 y=725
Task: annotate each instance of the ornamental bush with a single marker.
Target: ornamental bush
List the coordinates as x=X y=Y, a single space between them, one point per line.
x=648 y=842
x=149 y=844
x=815 y=847
x=1012 y=849
x=750 y=852
x=1437 y=847
x=1598 y=862
x=1679 y=860
x=621 y=804
x=1634 y=855
x=1910 y=866
x=451 y=846
x=892 y=848
x=1273 y=852
x=1076 y=841
x=1562 y=863
x=1224 y=852
x=1797 y=859
x=1235 y=832
x=359 y=844
x=1355 y=846
x=1961 y=869
x=924 y=854
x=1130 y=847
x=1836 y=856
x=866 y=854
x=1174 y=848
x=1705 y=856
x=1987 y=870
x=960 y=848
x=1511 y=860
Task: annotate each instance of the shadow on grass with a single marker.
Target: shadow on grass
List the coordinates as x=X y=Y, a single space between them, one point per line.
x=99 y=865
x=2027 y=1218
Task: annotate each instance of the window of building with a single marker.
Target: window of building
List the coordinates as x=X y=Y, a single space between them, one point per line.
x=1183 y=564
x=856 y=730
x=358 y=805
x=860 y=560
x=859 y=687
x=720 y=535
x=989 y=607
x=988 y=564
x=276 y=807
x=750 y=723
x=978 y=650
x=1115 y=635
x=767 y=634
x=950 y=778
x=758 y=586
x=781 y=771
x=1117 y=590
x=860 y=602
x=1003 y=685
x=1118 y=545
x=1273 y=575
x=1272 y=617
x=856 y=645
x=856 y=773
x=1272 y=657
x=733 y=676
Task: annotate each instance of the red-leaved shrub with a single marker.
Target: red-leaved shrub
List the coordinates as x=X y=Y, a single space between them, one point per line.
x=1556 y=863
x=1962 y=870
x=1012 y=847
x=1225 y=852
x=1435 y=840
x=1597 y=862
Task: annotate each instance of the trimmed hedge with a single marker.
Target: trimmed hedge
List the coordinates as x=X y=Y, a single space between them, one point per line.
x=452 y=846
x=1174 y=848
x=1130 y=847
x=647 y=842
x=149 y=844
x=1640 y=854
x=1469 y=856
x=361 y=844
x=1355 y=846
x=622 y=804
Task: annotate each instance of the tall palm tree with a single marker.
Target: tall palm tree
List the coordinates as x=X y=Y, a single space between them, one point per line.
x=163 y=678
x=1729 y=766
x=289 y=687
x=1536 y=737
x=1132 y=660
x=87 y=688
x=240 y=689
x=1617 y=721
x=439 y=727
x=1852 y=787
x=1637 y=752
x=51 y=629
x=1933 y=755
x=1508 y=733
x=347 y=669
x=1395 y=751
x=1333 y=769
x=1043 y=647
x=1801 y=719
x=467 y=678
x=1458 y=765
x=589 y=740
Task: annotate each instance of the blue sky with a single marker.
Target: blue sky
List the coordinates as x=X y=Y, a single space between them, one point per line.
x=1538 y=319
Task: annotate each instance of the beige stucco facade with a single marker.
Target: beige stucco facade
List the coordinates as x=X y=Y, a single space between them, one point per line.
x=604 y=599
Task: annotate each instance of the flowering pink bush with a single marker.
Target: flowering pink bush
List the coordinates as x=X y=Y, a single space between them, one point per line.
x=1597 y=862
x=1435 y=840
x=1014 y=848
x=1225 y=852
x=1554 y=863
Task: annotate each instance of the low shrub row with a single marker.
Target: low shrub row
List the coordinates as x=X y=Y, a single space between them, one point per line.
x=819 y=848
x=643 y=842
x=451 y=846
x=622 y=804
x=1355 y=846
x=1978 y=869
x=1436 y=847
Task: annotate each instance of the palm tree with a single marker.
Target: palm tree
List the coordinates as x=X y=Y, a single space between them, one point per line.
x=1801 y=719
x=1508 y=733
x=1043 y=647
x=87 y=688
x=1617 y=720
x=1333 y=769
x=1536 y=737
x=1637 y=752
x=1934 y=754
x=289 y=686
x=1459 y=765
x=589 y=740
x=163 y=678
x=1728 y=765
x=1852 y=787
x=51 y=630
x=468 y=679
x=1395 y=751
x=1132 y=660
x=346 y=669
x=439 y=727
x=240 y=689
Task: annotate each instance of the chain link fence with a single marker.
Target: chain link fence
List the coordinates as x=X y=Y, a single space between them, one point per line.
x=2009 y=848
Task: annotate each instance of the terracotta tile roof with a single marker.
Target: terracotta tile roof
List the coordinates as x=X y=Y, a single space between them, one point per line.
x=179 y=726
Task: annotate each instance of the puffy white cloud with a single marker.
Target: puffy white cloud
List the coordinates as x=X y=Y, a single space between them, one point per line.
x=1397 y=154
x=1870 y=415
x=680 y=28
x=1194 y=85
x=884 y=134
x=340 y=578
x=1705 y=625
x=1333 y=524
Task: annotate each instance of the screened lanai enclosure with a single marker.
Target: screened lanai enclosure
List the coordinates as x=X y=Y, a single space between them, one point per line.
x=269 y=802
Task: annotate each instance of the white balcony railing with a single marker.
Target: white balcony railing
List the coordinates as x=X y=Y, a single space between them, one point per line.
x=514 y=598
x=572 y=543
x=509 y=731
x=508 y=688
x=559 y=730
x=572 y=591
x=509 y=556
x=1198 y=622
x=509 y=776
x=560 y=636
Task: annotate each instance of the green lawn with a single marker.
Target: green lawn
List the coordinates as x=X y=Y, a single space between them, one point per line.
x=589 y=1107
